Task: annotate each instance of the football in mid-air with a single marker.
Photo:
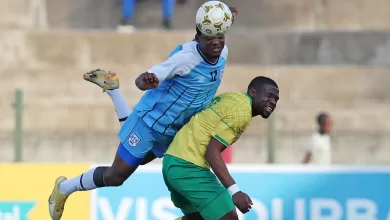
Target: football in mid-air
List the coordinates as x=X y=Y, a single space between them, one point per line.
x=214 y=18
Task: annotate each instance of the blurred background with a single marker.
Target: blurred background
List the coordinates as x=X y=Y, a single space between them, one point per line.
x=329 y=57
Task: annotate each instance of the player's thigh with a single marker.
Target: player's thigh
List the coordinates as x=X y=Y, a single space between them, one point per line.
x=120 y=169
x=232 y=215
x=199 y=186
x=178 y=200
x=148 y=158
x=193 y=216
x=182 y=203
x=221 y=207
x=137 y=140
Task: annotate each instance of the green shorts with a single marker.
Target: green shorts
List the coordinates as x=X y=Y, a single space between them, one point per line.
x=196 y=189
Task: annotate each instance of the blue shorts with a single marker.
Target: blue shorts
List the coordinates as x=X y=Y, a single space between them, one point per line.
x=137 y=139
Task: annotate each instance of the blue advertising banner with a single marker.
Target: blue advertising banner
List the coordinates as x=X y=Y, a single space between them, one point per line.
x=15 y=210
x=278 y=193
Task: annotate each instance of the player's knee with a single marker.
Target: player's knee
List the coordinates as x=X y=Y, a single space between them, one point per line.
x=232 y=215
x=114 y=178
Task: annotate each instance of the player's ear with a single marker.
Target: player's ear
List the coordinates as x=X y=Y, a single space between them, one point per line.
x=251 y=92
x=196 y=38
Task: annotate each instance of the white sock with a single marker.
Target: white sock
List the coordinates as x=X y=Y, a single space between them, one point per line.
x=82 y=182
x=121 y=107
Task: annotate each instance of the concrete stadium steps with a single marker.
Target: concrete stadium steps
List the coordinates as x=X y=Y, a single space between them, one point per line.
x=64 y=146
x=102 y=118
x=291 y=14
x=313 y=14
x=23 y=14
x=82 y=49
x=348 y=148
x=335 y=86
x=67 y=119
x=59 y=99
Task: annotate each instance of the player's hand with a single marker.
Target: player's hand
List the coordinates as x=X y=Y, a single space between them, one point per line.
x=150 y=80
x=242 y=202
x=234 y=10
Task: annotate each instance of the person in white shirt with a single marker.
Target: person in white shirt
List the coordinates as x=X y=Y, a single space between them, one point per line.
x=319 y=150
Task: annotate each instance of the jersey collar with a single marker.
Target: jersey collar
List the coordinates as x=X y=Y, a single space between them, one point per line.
x=249 y=97
x=204 y=57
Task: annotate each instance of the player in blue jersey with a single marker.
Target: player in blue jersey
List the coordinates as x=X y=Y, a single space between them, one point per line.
x=177 y=89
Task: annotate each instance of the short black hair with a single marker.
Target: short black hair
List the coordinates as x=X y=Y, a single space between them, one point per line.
x=321 y=117
x=260 y=81
x=198 y=32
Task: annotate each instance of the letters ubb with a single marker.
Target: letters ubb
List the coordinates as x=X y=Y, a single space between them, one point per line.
x=319 y=209
x=278 y=195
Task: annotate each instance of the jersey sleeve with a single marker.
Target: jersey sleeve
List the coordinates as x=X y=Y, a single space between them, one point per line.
x=177 y=49
x=175 y=65
x=229 y=130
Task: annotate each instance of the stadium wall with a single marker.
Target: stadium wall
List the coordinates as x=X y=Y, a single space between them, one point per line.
x=264 y=14
x=67 y=119
x=278 y=193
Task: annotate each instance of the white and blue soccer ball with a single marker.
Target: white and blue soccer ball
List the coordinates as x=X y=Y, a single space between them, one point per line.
x=214 y=18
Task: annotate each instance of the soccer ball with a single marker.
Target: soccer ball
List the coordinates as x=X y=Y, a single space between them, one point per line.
x=214 y=18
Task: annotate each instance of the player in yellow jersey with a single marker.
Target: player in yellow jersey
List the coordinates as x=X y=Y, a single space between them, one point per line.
x=198 y=146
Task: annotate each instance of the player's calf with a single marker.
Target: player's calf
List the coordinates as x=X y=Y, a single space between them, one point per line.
x=114 y=177
x=99 y=177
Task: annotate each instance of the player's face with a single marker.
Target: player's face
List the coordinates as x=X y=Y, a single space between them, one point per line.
x=264 y=102
x=211 y=46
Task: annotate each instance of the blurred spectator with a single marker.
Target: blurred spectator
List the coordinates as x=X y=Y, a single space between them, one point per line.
x=128 y=8
x=319 y=150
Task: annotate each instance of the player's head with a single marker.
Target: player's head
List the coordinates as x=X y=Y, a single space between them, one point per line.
x=211 y=47
x=265 y=95
x=324 y=122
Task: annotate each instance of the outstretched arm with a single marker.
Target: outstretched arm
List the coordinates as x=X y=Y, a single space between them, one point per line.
x=176 y=65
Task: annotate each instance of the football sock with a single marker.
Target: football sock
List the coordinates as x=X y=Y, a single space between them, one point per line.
x=121 y=107
x=91 y=179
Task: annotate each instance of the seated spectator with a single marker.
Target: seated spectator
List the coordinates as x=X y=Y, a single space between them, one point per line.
x=128 y=8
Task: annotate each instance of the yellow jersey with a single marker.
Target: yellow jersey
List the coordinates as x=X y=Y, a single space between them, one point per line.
x=225 y=119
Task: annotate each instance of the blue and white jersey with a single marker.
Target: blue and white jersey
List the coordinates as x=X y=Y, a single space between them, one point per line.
x=188 y=83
